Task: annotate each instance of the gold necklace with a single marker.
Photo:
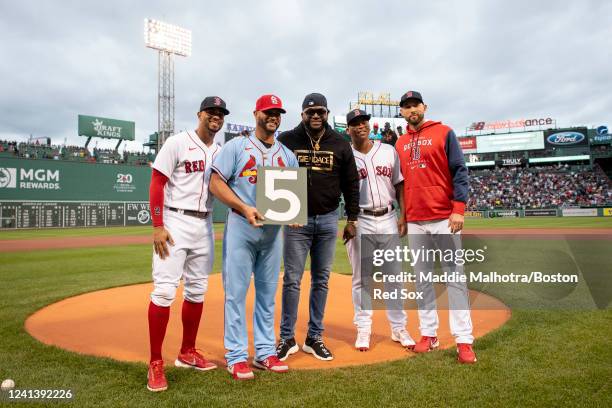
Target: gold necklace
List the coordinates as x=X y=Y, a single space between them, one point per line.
x=315 y=146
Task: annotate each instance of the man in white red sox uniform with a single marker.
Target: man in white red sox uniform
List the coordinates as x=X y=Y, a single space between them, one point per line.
x=183 y=239
x=380 y=182
x=435 y=193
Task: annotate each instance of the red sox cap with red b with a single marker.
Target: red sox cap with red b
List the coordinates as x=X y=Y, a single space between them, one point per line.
x=411 y=95
x=213 y=102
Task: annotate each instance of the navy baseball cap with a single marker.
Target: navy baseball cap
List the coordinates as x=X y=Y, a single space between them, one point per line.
x=213 y=102
x=411 y=95
x=356 y=113
x=314 y=99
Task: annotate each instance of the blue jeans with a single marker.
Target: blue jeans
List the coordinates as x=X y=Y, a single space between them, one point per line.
x=319 y=238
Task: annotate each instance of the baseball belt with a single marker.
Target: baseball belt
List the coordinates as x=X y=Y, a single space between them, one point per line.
x=377 y=212
x=198 y=214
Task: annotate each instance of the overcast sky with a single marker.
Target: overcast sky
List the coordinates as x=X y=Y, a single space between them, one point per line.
x=472 y=60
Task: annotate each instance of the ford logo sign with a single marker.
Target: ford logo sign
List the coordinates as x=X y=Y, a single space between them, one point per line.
x=565 y=138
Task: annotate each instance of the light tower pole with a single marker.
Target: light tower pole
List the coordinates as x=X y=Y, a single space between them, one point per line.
x=169 y=40
x=165 y=97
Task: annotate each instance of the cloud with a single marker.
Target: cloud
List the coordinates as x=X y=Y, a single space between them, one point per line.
x=472 y=60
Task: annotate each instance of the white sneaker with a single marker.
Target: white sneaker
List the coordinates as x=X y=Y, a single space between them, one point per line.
x=402 y=336
x=363 y=340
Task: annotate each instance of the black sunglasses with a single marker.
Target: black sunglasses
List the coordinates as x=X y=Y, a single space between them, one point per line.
x=312 y=112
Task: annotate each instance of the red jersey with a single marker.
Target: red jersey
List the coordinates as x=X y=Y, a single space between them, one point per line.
x=435 y=175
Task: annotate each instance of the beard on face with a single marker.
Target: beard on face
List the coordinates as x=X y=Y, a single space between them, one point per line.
x=419 y=119
x=262 y=123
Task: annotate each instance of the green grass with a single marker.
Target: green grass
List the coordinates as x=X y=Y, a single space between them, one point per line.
x=81 y=232
x=470 y=223
x=539 y=222
x=539 y=358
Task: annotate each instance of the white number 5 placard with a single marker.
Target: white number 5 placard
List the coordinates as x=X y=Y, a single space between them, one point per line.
x=281 y=195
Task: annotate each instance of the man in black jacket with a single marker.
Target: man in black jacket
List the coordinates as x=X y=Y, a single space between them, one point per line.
x=331 y=172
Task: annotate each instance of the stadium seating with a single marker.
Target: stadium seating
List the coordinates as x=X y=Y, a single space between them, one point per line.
x=73 y=153
x=538 y=187
x=552 y=186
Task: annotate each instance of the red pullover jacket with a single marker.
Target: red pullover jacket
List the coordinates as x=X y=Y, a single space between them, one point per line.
x=435 y=175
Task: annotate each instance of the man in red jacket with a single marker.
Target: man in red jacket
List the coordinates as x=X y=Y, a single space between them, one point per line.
x=435 y=193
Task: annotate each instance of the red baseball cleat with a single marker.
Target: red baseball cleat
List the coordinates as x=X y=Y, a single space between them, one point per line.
x=465 y=354
x=156 y=380
x=426 y=344
x=241 y=371
x=192 y=359
x=271 y=363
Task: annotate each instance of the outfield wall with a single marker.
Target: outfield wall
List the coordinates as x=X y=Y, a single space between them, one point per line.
x=60 y=194
x=66 y=214
x=55 y=180
x=52 y=193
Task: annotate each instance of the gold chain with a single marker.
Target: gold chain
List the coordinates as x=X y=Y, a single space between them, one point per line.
x=315 y=146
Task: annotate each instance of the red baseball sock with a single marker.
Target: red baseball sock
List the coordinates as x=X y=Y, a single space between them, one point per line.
x=192 y=312
x=158 y=321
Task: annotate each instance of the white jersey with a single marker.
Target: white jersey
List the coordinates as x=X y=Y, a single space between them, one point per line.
x=186 y=161
x=379 y=171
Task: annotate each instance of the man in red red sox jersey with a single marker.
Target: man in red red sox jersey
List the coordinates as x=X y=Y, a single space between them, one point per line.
x=435 y=193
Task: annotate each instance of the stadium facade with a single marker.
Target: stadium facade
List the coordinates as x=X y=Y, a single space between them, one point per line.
x=542 y=171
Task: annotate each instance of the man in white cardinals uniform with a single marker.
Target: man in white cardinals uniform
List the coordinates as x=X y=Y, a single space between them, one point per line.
x=181 y=207
x=380 y=182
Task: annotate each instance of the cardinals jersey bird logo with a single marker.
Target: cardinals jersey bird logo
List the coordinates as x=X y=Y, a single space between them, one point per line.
x=249 y=171
x=280 y=162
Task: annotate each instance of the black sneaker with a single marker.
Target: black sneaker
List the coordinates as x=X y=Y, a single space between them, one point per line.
x=315 y=346
x=285 y=348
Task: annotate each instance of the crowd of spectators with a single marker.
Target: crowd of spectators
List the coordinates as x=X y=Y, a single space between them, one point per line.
x=538 y=187
x=501 y=187
x=601 y=149
x=37 y=150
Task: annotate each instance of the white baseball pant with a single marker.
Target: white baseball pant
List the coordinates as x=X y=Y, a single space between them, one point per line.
x=459 y=318
x=368 y=224
x=191 y=258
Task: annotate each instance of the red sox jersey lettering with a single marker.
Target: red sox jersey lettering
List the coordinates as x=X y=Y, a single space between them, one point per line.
x=183 y=159
x=379 y=171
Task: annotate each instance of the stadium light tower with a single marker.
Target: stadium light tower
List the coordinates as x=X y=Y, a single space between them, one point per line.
x=169 y=40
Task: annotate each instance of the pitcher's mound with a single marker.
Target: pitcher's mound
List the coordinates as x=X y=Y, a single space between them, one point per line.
x=113 y=323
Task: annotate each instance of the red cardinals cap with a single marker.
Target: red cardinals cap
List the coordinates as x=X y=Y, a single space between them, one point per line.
x=267 y=102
